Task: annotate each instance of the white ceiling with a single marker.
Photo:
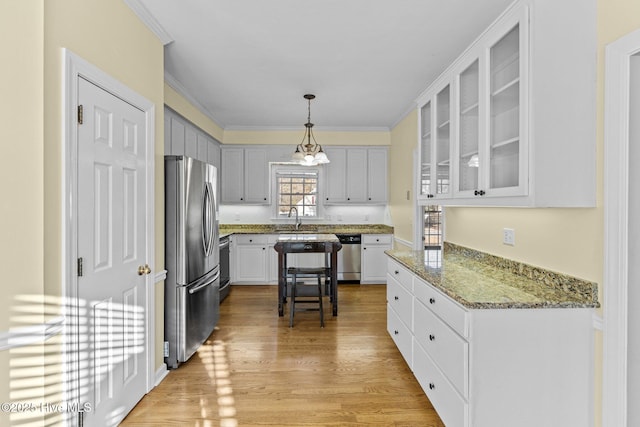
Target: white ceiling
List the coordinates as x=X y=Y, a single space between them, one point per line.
x=248 y=63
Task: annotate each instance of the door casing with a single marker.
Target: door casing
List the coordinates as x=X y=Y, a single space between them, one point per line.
x=616 y=228
x=74 y=68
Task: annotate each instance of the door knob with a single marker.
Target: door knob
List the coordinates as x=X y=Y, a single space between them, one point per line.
x=144 y=269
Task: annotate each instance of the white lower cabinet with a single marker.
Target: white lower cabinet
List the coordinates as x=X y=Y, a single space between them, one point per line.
x=493 y=367
x=400 y=333
x=250 y=258
x=373 y=258
x=255 y=261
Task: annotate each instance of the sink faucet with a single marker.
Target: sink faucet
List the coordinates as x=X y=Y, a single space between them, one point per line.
x=298 y=222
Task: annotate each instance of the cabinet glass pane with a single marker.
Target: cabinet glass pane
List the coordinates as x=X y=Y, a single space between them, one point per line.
x=469 y=130
x=425 y=149
x=443 y=133
x=505 y=111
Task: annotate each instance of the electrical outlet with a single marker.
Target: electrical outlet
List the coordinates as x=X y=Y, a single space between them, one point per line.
x=509 y=236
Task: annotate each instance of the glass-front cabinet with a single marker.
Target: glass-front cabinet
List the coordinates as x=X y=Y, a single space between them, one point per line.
x=426 y=190
x=472 y=141
x=468 y=129
x=435 y=145
x=506 y=147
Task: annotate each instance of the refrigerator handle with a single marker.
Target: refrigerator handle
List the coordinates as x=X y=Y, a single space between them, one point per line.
x=204 y=285
x=207 y=222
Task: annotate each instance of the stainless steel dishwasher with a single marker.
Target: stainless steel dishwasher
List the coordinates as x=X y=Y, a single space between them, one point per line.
x=349 y=258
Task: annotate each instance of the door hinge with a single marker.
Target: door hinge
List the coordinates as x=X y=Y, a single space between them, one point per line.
x=80 y=114
x=80 y=267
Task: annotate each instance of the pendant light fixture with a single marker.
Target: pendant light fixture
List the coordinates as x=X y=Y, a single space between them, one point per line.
x=309 y=153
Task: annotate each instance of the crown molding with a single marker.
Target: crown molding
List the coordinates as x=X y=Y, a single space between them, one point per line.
x=145 y=16
x=178 y=87
x=411 y=108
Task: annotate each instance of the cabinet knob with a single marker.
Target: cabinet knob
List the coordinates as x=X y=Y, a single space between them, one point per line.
x=241 y=198
x=432 y=386
x=369 y=198
x=348 y=198
x=396 y=298
x=432 y=337
x=432 y=301
x=250 y=240
x=377 y=240
x=397 y=272
x=396 y=332
x=364 y=249
x=327 y=198
x=479 y=192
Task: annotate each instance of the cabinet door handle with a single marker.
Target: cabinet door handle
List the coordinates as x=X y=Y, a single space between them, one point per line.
x=479 y=192
x=432 y=301
x=432 y=337
x=432 y=386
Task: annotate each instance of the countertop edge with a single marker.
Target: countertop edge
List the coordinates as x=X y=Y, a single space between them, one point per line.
x=433 y=280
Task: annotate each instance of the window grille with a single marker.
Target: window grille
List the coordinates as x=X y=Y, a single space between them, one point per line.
x=299 y=190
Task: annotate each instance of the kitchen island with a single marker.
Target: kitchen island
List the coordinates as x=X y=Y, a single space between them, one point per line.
x=308 y=243
x=492 y=341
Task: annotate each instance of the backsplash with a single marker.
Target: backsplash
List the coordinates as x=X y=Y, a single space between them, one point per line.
x=262 y=214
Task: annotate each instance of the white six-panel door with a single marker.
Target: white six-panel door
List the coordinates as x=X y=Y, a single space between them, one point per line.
x=112 y=244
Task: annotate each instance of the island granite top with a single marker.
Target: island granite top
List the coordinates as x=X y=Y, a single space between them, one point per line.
x=481 y=281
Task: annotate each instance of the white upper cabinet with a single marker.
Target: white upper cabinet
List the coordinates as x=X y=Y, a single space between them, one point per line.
x=377 y=175
x=356 y=175
x=521 y=108
x=245 y=175
x=183 y=138
x=436 y=144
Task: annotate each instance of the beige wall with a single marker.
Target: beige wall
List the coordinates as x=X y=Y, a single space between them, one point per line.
x=21 y=174
x=293 y=137
x=404 y=139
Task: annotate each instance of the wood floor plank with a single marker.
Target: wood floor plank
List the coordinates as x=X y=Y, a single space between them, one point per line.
x=256 y=371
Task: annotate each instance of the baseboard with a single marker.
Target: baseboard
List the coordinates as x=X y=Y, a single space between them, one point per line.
x=161 y=373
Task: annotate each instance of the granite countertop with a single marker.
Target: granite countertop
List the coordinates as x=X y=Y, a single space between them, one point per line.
x=308 y=237
x=480 y=281
x=228 y=229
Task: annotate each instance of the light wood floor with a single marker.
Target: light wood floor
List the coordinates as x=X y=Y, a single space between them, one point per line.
x=254 y=370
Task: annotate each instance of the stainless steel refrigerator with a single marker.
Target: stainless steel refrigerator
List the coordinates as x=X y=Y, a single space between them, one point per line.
x=192 y=301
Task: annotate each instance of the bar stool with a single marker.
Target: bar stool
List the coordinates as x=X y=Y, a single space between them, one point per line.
x=320 y=273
